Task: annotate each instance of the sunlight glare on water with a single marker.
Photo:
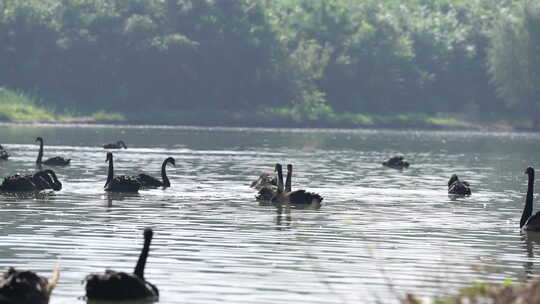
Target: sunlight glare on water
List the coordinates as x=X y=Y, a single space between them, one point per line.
x=381 y=233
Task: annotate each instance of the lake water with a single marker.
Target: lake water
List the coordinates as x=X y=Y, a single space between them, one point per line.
x=381 y=233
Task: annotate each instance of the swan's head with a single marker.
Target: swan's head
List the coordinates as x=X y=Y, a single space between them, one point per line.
x=121 y=143
x=529 y=171
x=453 y=178
x=39 y=139
x=148 y=233
x=109 y=156
x=289 y=167
x=171 y=160
x=277 y=168
x=56 y=185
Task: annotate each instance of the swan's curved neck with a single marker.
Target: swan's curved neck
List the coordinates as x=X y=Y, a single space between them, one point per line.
x=110 y=173
x=141 y=263
x=57 y=185
x=527 y=211
x=288 y=180
x=53 y=175
x=164 y=177
x=40 y=153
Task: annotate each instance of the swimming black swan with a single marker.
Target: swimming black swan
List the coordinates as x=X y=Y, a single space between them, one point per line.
x=297 y=197
x=24 y=286
x=264 y=180
x=457 y=187
x=121 y=286
x=300 y=197
x=4 y=155
x=54 y=183
x=121 y=183
x=118 y=145
x=266 y=193
x=396 y=162
x=149 y=181
x=39 y=181
x=54 y=161
x=528 y=221
x=267 y=186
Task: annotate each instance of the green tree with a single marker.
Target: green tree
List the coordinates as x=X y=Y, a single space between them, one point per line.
x=514 y=58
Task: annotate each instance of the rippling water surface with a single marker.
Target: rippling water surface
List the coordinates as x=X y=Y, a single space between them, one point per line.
x=380 y=233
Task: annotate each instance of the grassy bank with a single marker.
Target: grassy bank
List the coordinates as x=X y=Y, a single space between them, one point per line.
x=289 y=118
x=505 y=293
x=21 y=107
x=24 y=108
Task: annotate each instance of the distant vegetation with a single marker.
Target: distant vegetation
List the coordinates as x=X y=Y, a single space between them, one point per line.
x=21 y=107
x=342 y=62
x=16 y=106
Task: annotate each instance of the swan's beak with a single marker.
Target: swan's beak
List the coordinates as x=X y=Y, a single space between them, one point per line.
x=54 y=279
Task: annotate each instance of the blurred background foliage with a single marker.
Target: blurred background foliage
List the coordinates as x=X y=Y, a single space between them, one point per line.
x=304 y=60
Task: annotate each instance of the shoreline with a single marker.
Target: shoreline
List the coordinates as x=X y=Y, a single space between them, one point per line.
x=499 y=128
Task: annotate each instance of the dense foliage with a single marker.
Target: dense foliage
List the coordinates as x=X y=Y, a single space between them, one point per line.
x=314 y=58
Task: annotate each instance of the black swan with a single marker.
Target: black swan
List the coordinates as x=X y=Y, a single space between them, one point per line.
x=54 y=183
x=45 y=179
x=4 y=155
x=266 y=194
x=297 y=197
x=120 y=286
x=24 y=286
x=267 y=186
x=300 y=197
x=118 y=145
x=150 y=181
x=457 y=187
x=121 y=183
x=529 y=222
x=264 y=180
x=396 y=162
x=54 y=161
x=39 y=181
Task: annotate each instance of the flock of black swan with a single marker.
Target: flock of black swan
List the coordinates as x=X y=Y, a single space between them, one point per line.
x=27 y=287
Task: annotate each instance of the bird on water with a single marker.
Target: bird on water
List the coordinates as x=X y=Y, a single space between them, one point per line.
x=529 y=222
x=53 y=161
x=267 y=186
x=148 y=181
x=117 y=145
x=26 y=287
x=285 y=195
x=458 y=187
x=120 y=183
x=41 y=180
x=122 y=286
x=396 y=162
x=4 y=155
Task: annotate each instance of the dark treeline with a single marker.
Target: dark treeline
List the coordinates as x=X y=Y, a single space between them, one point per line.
x=313 y=58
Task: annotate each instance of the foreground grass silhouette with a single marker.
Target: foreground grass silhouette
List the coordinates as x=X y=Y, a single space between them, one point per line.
x=483 y=293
